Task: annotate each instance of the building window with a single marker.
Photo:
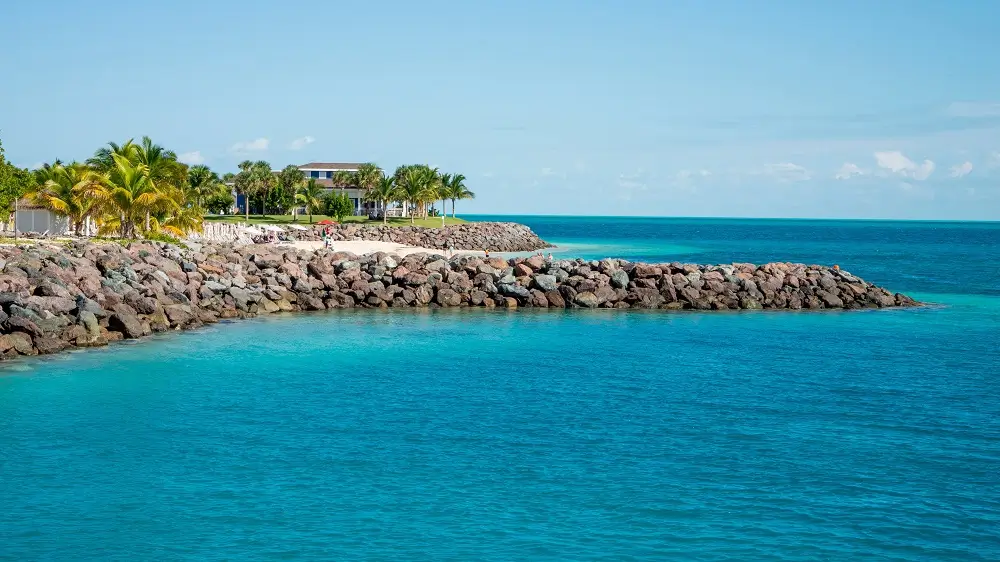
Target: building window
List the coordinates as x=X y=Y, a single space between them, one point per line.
x=314 y=174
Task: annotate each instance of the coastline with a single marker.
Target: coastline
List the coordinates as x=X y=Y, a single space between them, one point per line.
x=85 y=294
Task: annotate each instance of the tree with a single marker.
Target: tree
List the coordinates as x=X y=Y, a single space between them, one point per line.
x=310 y=195
x=344 y=179
x=103 y=159
x=220 y=202
x=442 y=193
x=288 y=181
x=338 y=205
x=254 y=178
x=368 y=176
x=14 y=183
x=128 y=194
x=203 y=183
x=64 y=191
x=417 y=185
x=160 y=166
x=382 y=193
x=455 y=189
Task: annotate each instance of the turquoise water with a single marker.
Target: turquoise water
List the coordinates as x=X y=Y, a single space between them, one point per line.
x=540 y=435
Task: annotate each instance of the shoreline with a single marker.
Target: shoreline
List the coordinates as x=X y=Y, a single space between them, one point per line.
x=84 y=294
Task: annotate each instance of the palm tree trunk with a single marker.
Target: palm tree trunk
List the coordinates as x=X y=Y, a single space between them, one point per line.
x=246 y=205
x=147 y=221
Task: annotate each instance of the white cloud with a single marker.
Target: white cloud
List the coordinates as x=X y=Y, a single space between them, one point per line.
x=848 y=171
x=961 y=170
x=897 y=163
x=257 y=145
x=299 y=144
x=974 y=109
x=37 y=166
x=787 y=172
x=192 y=158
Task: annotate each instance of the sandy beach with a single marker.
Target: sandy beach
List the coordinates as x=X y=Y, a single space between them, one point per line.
x=361 y=247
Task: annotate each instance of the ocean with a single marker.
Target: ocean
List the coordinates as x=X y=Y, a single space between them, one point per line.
x=541 y=435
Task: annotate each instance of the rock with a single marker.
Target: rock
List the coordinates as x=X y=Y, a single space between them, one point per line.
x=619 y=278
x=22 y=343
x=545 y=283
x=21 y=324
x=448 y=297
x=88 y=320
x=47 y=345
x=831 y=300
x=85 y=304
x=178 y=314
x=555 y=299
x=747 y=303
x=123 y=319
x=515 y=291
x=587 y=299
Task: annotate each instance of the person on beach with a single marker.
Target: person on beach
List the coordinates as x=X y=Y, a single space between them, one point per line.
x=451 y=250
x=487 y=254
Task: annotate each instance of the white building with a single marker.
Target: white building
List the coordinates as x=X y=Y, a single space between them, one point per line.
x=32 y=218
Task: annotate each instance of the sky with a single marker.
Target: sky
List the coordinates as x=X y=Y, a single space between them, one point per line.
x=772 y=108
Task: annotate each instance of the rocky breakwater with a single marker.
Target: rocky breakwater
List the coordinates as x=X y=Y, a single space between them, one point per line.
x=493 y=236
x=85 y=294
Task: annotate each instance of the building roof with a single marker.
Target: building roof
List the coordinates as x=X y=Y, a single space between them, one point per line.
x=330 y=166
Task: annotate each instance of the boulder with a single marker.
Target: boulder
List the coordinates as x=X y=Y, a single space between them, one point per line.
x=124 y=319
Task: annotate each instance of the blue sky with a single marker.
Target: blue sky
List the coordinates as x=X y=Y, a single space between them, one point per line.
x=887 y=109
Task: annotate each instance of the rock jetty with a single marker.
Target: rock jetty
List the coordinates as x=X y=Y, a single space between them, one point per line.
x=492 y=236
x=85 y=294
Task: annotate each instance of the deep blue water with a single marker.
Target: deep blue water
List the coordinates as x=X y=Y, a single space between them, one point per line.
x=535 y=435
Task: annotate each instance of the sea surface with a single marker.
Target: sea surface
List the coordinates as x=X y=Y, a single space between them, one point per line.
x=541 y=435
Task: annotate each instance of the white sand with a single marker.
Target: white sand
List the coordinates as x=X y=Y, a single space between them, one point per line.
x=361 y=247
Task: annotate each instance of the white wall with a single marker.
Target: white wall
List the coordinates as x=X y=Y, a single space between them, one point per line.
x=41 y=221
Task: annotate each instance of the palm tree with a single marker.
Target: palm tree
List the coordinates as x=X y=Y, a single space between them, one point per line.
x=416 y=185
x=64 y=192
x=368 y=176
x=244 y=183
x=310 y=195
x=103 y=159
x=203 y=183
x=344 y=179
x=444 y=183
x=382 y=193
x=127 y=193
x=455 y=189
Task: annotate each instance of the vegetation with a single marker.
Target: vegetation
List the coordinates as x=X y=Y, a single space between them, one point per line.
x=129 y=190
x=14 y=183
x=338 y=205
x=310 y=194
x=140 y=189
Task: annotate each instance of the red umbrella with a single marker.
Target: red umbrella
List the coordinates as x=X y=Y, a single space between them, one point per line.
x=326 y=221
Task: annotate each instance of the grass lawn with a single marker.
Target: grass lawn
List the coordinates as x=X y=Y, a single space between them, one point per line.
x=304 y=220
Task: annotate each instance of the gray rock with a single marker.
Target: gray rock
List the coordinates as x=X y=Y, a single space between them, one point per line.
x=619 y=278
x=545 y=282
x=88 y=305
x=516 y=291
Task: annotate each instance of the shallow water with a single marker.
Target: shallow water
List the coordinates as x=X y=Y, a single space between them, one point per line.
x=539 y=434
